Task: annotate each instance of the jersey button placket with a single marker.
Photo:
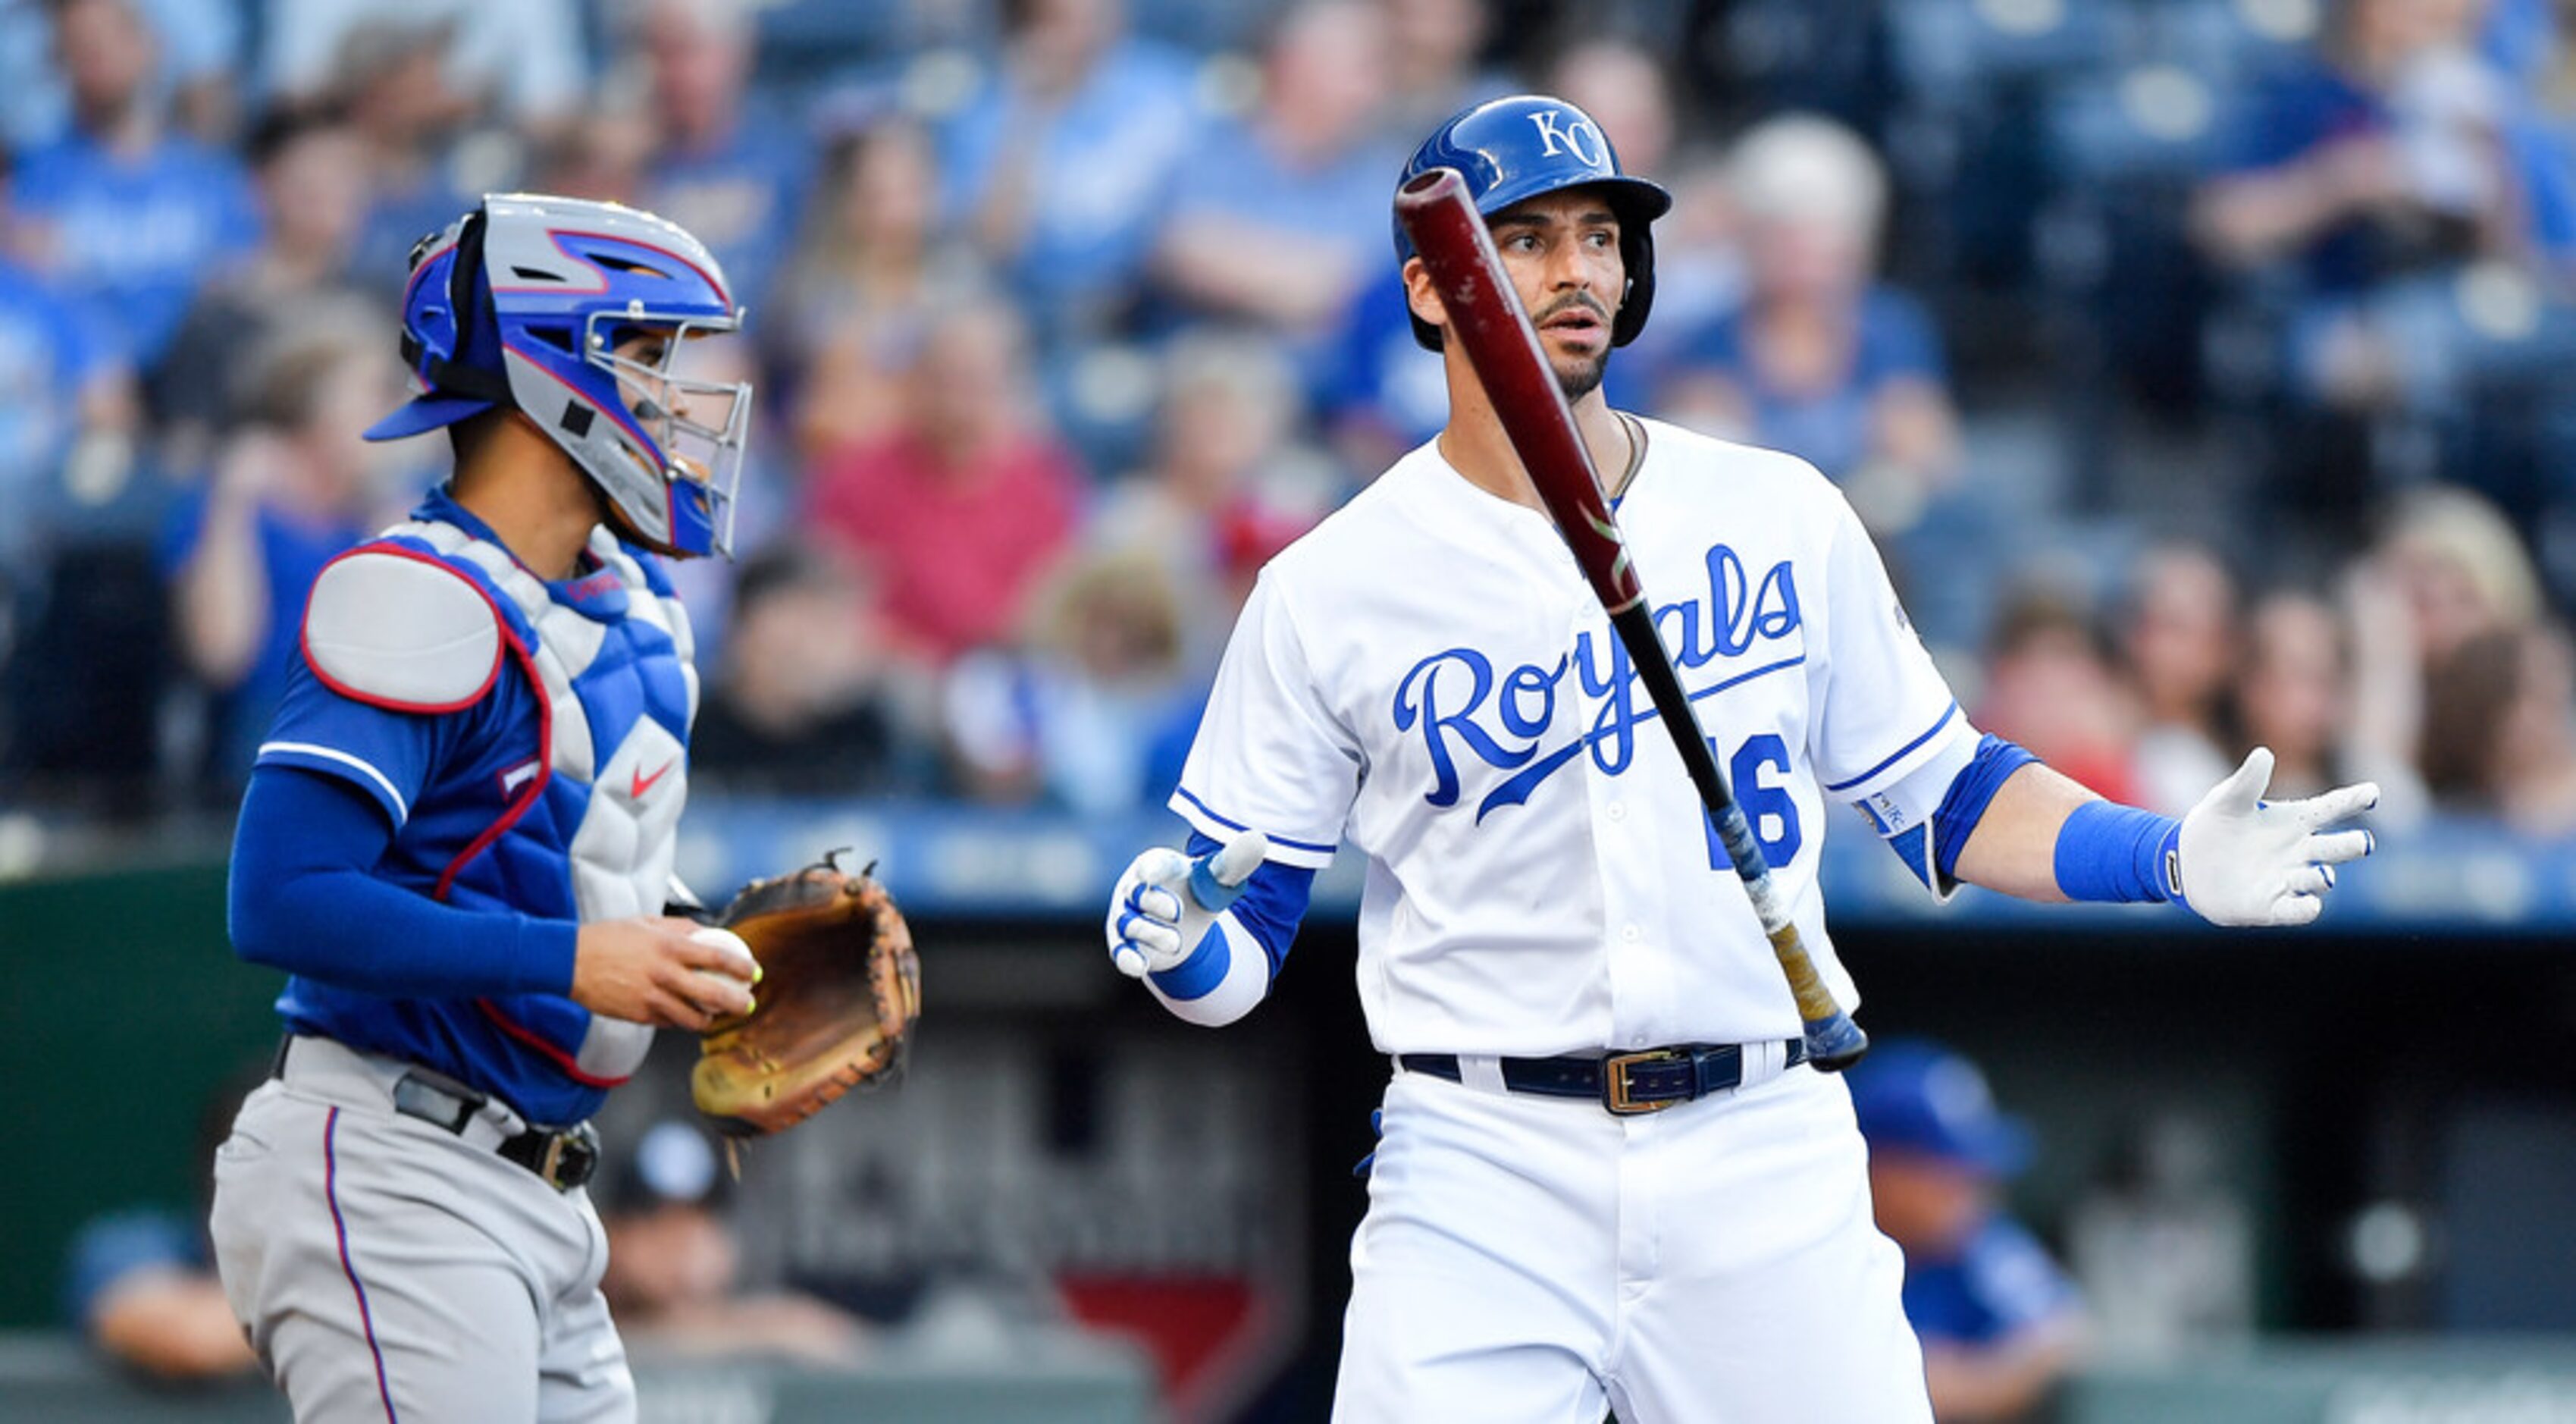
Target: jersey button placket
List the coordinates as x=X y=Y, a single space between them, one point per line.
x=1617 y=852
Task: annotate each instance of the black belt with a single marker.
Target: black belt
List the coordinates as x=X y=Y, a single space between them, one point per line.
x=1648 y=1080
x=562 y=1157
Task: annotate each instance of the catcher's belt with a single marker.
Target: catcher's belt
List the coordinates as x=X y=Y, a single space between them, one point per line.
x=562 y=1157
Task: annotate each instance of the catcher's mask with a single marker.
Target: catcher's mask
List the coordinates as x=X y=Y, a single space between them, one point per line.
x=536 y=304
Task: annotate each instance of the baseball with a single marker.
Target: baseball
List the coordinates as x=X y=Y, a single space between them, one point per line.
x=729 y=942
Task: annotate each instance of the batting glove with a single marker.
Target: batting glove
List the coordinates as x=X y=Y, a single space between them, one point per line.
x=2242 y=860
x=1165 y=902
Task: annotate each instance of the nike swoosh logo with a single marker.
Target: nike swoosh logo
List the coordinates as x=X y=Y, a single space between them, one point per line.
x=643 y=783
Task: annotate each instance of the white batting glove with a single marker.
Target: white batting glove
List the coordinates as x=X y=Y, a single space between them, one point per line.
x=1165 y=902
x=2246 y=861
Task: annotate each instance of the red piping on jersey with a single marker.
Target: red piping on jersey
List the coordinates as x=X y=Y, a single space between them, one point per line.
x=553 y=1051
x=536 y=786
x=304 y=635
x=518 y=807
x=528 y=797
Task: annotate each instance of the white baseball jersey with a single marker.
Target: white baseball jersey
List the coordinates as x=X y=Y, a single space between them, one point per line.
x=1428 y=677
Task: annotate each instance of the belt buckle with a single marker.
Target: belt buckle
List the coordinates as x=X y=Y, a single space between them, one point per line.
x=1617 y=1092
x=570 y=1157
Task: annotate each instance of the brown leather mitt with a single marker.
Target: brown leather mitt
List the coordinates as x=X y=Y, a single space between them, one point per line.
x=840 y=987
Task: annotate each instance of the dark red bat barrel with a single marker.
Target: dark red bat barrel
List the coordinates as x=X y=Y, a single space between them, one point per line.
x=1503 y=347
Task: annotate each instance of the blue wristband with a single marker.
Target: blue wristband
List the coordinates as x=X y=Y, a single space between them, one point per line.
x=2119 y=854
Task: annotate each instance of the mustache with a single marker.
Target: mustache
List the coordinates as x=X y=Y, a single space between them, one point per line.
x=1584 y=300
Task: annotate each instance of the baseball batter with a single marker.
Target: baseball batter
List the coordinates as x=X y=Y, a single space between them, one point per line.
x=458 y=839
x=1605 y=1176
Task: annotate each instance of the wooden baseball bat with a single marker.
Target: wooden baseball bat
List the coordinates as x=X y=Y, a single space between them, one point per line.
x=1488 y=322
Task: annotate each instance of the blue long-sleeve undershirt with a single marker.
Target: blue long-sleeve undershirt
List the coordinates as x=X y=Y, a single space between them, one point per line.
x=304 y=898
x=1274 y=901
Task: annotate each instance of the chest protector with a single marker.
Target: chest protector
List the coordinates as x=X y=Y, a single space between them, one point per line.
x=591 y=826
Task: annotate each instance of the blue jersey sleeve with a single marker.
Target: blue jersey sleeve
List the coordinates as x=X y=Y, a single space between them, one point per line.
x=387 y=754
x=1274 y=901
x=304 y=898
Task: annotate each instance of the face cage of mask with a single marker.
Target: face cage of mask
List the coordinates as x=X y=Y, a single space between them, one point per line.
x=665 y=405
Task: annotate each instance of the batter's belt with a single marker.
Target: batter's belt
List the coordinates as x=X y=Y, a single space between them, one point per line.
x=1626 y=1084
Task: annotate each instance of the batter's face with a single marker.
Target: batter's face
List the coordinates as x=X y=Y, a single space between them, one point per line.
x=1562 y=252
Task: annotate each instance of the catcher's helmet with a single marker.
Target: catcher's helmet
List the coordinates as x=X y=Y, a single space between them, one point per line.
x=1519 y=147
x=524 y=302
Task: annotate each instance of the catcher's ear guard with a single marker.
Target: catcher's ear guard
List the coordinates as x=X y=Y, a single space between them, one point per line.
x=841 y=991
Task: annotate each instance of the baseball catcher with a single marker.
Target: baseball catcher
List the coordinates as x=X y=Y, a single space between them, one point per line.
x=840 y=988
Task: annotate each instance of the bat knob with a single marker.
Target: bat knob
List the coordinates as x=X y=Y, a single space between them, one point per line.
x=1835 y=1044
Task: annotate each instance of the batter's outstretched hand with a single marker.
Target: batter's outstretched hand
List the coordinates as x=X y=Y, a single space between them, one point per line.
x=661 y=970
x=2242 y=860
x=1165 y=902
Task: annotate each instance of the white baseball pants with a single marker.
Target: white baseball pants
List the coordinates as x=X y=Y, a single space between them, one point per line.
x=1532 y=1259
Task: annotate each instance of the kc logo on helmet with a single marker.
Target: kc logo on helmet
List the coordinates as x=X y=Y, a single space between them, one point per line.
x=1578 y=137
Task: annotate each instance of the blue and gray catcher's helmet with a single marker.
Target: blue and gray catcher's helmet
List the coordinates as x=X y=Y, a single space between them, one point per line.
x=1519 y=147
x=523 y=302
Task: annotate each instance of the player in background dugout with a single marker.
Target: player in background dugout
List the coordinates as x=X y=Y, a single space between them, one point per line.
x=1999 y=1321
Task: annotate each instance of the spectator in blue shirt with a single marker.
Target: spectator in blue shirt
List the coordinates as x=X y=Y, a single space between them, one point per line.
x=291 y=489
x=724 y=165
x=123 y=215
x=1999 y=1321
x=2385 y=154
x=1824 y=361
x=54 y=382
x=1288 y=221
x=1062 y=167
x=525 y=58
x=1379 y=392
x=311 y=172
x=199 y=51
x=1433 y=54
x=67 y=419
x=390 y=78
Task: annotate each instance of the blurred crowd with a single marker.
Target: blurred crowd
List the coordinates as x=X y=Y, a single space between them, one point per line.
x=2201 y=365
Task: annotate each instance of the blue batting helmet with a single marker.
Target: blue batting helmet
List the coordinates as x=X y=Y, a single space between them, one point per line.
x=1519 y=147
x=525 y=302
x=1914 y=1096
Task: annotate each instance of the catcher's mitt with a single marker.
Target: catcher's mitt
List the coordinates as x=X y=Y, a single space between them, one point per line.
x=840 y=987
